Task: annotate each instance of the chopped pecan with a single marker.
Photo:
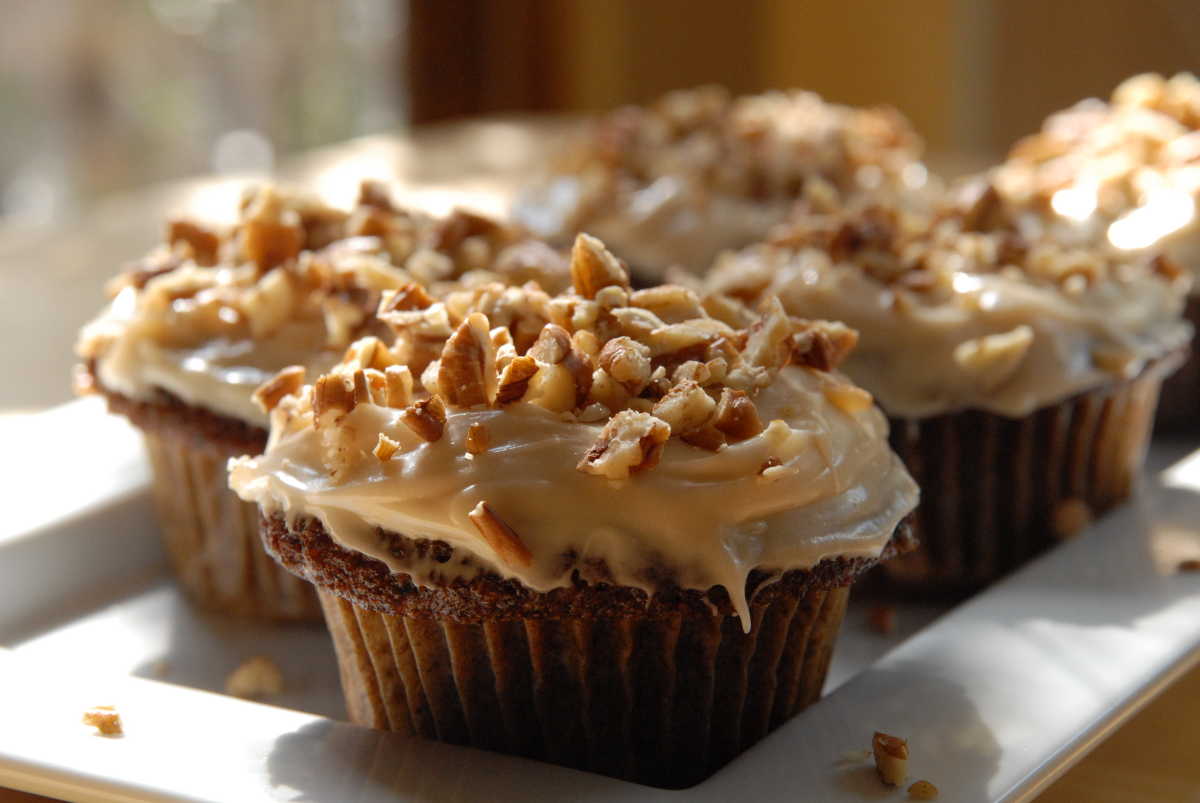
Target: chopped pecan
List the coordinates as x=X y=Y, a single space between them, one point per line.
x=467 y=369
x=268 y=243
x=459 y=226
x=333 y=397
x=822 y=344
x=628 y=362
x=1166 y=267
x=427 y=418
x=685 y=407
x=284 y=383
x=399 y=382
x=499 y=536
x=477 y=438
x=514 y=379
x=766 y=343
x=670 y=302
x=552 y=346
x=891 y=758
x=992 y=359
x=385 y=447
x=594 y=267
x=705 y=437
x=105 y=719
x=375 y=194
x=630 y=442
x=850 y=399
x=362 y=389
x=409 y=297
x=985 y=212
x=736 y=415
x=203 y=243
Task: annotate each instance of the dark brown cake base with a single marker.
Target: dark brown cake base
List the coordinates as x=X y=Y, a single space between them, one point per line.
x=997 y=492
x=662 y=691
x=210 y=534
x=1179 y=406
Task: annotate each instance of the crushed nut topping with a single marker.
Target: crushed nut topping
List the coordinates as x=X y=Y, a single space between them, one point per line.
x=638 y=378
x=499 y=536
x=891 y=758
x=285 y=383
x=105 y=719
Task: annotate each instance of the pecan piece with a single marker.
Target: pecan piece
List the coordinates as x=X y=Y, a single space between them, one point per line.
x=628 y=362
x=466 y=374
x=514 y=379
x=736 y=415
x=427 y=418
x=499 y=536
x=332 y=398
x=284 y=383
x=411 y=296
x=891 y=758
x=822 y=344
x=204 y=243
x=399 y=382
x=385 y=447
x=630 y=442
x=670 y=302
x=594 y=267
x=105 y=719
x=685 y=407
x=552 y=346
x=477 y=438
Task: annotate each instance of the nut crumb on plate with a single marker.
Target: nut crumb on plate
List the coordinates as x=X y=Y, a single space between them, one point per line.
x=891 y=758
x=105 y=719
x=922 y=790
x=255 y=678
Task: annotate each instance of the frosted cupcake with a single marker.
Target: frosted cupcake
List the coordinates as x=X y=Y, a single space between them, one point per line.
x=1020 y=376
x=604 y=528
x=1125 y=175
x=699 y=171
x=196 y=326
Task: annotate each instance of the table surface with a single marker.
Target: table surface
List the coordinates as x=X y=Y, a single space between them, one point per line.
x=1151 y=758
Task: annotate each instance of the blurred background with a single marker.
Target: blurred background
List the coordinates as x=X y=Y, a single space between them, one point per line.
x=99 y=96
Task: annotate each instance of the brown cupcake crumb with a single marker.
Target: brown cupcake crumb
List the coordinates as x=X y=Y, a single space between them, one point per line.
x=256 y=678
x=105 y=719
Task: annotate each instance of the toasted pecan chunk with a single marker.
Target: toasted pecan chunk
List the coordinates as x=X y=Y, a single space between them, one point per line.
x=850 y=399
x=685 y=407
x=736 y=415
x=514 y=379
x=284 y=383
x=467 y=368
x=630 y=442
x=399 y=381
x=477 y=438
x=203 y=242
x=385 y=447
x=552 y=346
x=891 y=758
x=594 y=267
x=822 y=344
x=268 y=243
x=105 y=719
x=627 y=361
x=670 y=302
x=459 y=226
x=499 y=536
x=332 y=397
x=705 y=437
x=427 y=418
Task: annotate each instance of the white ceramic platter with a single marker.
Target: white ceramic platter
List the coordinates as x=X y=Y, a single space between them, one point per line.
x=996 y=698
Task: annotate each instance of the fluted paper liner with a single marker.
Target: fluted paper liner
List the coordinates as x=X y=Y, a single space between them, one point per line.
x=665 y=701
x=992 y=487
x=1179 y=407
x=212 y=536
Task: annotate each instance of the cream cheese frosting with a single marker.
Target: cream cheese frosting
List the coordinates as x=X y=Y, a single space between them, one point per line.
x=1123 y=174
x=211 y=315
x=699 y=172
x=954 y=319
x=636 y=438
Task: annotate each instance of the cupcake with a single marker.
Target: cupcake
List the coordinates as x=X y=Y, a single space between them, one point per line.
x=605 y=528
x=699 y=172
x=196 y=326
x=1125 y=175
x=1019 y=375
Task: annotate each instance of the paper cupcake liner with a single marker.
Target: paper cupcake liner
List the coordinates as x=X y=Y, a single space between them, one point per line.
x=996 y=492
x=658 y=700
x=1179 y=406
x=212 y=536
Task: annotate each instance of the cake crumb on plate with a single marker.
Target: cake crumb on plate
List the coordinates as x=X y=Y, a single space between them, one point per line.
x=105 y=719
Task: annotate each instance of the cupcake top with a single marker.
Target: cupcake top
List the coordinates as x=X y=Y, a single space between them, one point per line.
x=209 y=315
x=699 y=171
x=1123 y=174
x=953 y=318
x=602 y=435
